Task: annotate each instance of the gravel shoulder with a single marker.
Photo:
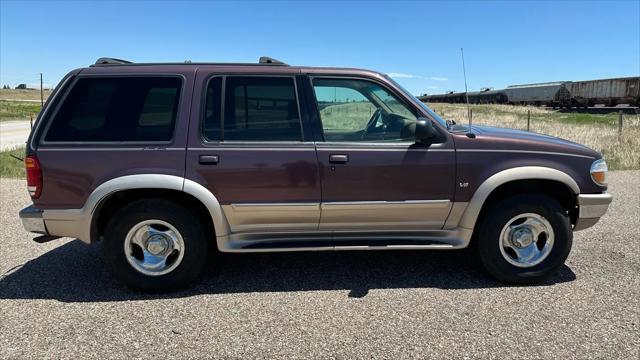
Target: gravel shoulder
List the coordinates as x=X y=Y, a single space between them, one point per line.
x=58 y=300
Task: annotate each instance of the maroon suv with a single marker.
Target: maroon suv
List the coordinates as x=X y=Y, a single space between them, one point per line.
x=160 y=161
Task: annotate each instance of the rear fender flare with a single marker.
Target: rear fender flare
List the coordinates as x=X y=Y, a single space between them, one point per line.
x=162 y=181
x=79 y=222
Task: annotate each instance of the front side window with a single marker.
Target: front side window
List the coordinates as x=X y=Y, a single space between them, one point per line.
x=118 y=109
x=360 y=110
x=255 y=109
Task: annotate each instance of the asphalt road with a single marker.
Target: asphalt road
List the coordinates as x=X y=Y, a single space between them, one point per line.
x=58 y=300
x=14 y=133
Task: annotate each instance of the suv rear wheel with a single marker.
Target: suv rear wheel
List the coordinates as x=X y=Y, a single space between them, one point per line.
x=524 y=238
x=155 y=245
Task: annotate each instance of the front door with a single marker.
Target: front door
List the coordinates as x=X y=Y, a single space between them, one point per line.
x=374 y=175
x=248 y=148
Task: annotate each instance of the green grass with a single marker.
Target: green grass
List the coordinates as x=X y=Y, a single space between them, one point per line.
x=18 y=110
x=11 y=167
x=610 y=119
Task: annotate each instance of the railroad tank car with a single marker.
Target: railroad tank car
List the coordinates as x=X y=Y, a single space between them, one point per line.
x=439 y=98
x=475 y=97
x=609 y=92
x=488 y=97
x=449 y=97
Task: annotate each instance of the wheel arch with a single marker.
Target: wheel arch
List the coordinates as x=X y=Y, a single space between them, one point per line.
x=121 y=190
x=512 y=178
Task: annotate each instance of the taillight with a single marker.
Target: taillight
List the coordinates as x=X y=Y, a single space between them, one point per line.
x=34 y=176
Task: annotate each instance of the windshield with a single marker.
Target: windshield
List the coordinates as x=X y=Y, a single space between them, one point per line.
x=422 y=105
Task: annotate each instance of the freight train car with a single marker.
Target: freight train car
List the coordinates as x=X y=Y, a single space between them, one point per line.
x=475 y=97
x=609 y=92
x=550 y=94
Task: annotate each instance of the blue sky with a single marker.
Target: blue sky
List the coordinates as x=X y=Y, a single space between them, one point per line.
x=416 y=42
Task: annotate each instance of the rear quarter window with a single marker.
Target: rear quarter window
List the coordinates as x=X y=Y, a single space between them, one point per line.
x=118 y=109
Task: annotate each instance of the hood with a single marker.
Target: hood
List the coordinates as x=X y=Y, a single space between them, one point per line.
x=503 y=138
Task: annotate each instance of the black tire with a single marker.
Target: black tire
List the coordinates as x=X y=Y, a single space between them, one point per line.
x=188 y=226
x=489 y=241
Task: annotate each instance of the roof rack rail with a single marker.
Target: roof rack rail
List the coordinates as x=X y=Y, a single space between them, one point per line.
x=270 y=61
x=111 y=61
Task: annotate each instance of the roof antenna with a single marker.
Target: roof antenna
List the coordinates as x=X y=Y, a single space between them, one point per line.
x=466 y=93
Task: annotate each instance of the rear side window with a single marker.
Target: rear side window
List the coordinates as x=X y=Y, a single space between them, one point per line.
x=255 y=109
x=117 y=109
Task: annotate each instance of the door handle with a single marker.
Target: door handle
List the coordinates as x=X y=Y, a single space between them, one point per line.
x=338 y=158
x=209 y=159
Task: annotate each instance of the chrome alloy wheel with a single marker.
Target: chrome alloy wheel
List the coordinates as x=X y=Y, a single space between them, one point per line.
x=154 y=247
x=526 y=240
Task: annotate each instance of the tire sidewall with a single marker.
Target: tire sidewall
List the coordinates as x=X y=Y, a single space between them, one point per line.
x=195 y=247
x=497 y=218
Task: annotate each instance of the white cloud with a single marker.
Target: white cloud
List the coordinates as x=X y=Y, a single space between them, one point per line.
x=413 y=76
x=401 y=75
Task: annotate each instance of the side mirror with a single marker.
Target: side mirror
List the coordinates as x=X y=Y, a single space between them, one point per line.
x=424 y=130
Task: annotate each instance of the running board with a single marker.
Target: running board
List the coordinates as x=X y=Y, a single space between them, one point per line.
x=349 y=240
x=347 y=244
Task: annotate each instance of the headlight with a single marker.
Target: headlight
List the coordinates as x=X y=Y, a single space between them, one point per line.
x=599 y=172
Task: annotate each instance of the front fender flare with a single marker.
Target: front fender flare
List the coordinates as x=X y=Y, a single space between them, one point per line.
x=485 y=189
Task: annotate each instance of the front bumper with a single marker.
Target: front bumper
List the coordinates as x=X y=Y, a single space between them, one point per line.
x=32 y=220
x=591 y=207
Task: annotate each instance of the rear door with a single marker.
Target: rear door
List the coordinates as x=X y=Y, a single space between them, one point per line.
x=248 y=146
x=374 y=175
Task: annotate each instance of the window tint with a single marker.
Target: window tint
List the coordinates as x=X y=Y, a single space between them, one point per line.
x=360 y=110
x=118 y=109
x=213 y=110
x=261 y=109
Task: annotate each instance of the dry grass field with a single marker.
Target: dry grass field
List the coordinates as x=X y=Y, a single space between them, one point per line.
x=597 y=131
x=23 y=94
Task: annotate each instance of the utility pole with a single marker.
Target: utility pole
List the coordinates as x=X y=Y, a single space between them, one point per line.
x=41 y=93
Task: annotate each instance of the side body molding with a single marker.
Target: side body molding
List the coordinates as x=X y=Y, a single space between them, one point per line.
x=470 y=216
x=78 y=222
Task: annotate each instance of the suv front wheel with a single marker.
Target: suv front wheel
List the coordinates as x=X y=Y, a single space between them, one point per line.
x=524 y=238
x=155 y=245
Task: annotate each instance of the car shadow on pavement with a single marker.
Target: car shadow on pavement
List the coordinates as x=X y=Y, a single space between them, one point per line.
x=75 y=272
